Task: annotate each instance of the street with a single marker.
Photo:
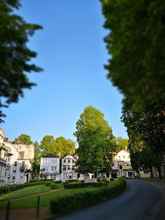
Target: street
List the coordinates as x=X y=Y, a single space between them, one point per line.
x=141 y=201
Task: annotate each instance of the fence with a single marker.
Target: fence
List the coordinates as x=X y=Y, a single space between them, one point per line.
x=8 y=212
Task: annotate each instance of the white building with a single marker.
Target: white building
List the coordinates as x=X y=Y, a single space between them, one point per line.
x=69 y=168
x=50 y=167
x=122 y=164
x=15 y=161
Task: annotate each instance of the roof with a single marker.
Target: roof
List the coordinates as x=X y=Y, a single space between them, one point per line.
x=50 y=156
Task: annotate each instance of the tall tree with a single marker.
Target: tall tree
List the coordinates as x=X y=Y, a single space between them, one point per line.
x=93 y=133
x=15 y=55
x=36 y=162
x=136 y=66
x=47 y=144
x=64 y=146
x=24 y=139
x=121 y=143
x=59 y=146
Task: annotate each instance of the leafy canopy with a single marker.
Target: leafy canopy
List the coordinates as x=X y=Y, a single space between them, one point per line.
x=15 y=55
x=94 y=137
x=57 y=146
x=24 y=139
x=136 y=66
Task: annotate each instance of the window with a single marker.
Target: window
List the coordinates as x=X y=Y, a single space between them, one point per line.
x=21 y=155
x=53 y=168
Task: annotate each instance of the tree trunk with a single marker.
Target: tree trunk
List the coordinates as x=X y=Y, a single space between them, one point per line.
x=159 y=172
x=152 y=175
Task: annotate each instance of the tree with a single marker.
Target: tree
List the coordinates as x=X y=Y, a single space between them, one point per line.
x=59 y=146
x=93 y=133
x=136 y=45
x=110 y=148
x=36 y=162
x=15 y=56
x=24 y=139
x=64 y=146
x=121 y=143
x=136 y=66
x=143 y=156
x=47 y=144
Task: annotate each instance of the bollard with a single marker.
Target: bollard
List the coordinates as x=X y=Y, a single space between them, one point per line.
x=7 y=211
x=38 y=207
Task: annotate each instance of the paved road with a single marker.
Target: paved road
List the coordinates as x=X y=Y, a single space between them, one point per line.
x=140 y=202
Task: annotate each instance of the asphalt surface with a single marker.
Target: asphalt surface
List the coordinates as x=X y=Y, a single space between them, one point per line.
x=141 y=201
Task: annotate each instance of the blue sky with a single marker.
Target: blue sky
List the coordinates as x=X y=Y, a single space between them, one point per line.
x=72 y=52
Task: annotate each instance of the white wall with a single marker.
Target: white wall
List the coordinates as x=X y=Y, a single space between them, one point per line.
x=21 y=156
x=69 y=168
x=50 y=166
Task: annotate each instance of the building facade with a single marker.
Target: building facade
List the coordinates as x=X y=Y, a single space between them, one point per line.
x=50 y=167
x=58 y=169
x=15 y=161
x=122 y=165
x=69 y=168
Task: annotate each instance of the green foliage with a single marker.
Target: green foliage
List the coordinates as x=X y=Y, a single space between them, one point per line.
x=36 y=162
x=16 y=57
x=143 y=156
x=75 y=185
x=56 y=186
x=94 y=137
x=121 y=143
x=66 y=147
x=47 y=144
x=59 y=146
x=24 y=139
x=80 y=199
x=136 y=45
x=25 y=192
x=14 y=187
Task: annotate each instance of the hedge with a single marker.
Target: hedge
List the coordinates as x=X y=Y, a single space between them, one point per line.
x=76 y=200
x=76 y=185
x=14 y=187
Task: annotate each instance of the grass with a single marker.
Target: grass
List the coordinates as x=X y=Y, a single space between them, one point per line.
x=27 y=197
x=26 y=192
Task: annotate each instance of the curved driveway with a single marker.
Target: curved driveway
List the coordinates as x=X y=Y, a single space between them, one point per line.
x=141 y=201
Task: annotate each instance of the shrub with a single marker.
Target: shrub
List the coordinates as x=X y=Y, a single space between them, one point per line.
x=72 y=181
x=10 y=188
x=14 y=187
x=56 y=186
x=77 y=200
x=59 y=181
x=82 y=184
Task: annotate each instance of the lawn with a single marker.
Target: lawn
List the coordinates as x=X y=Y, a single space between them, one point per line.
x=27 y=197
x=31 y=190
